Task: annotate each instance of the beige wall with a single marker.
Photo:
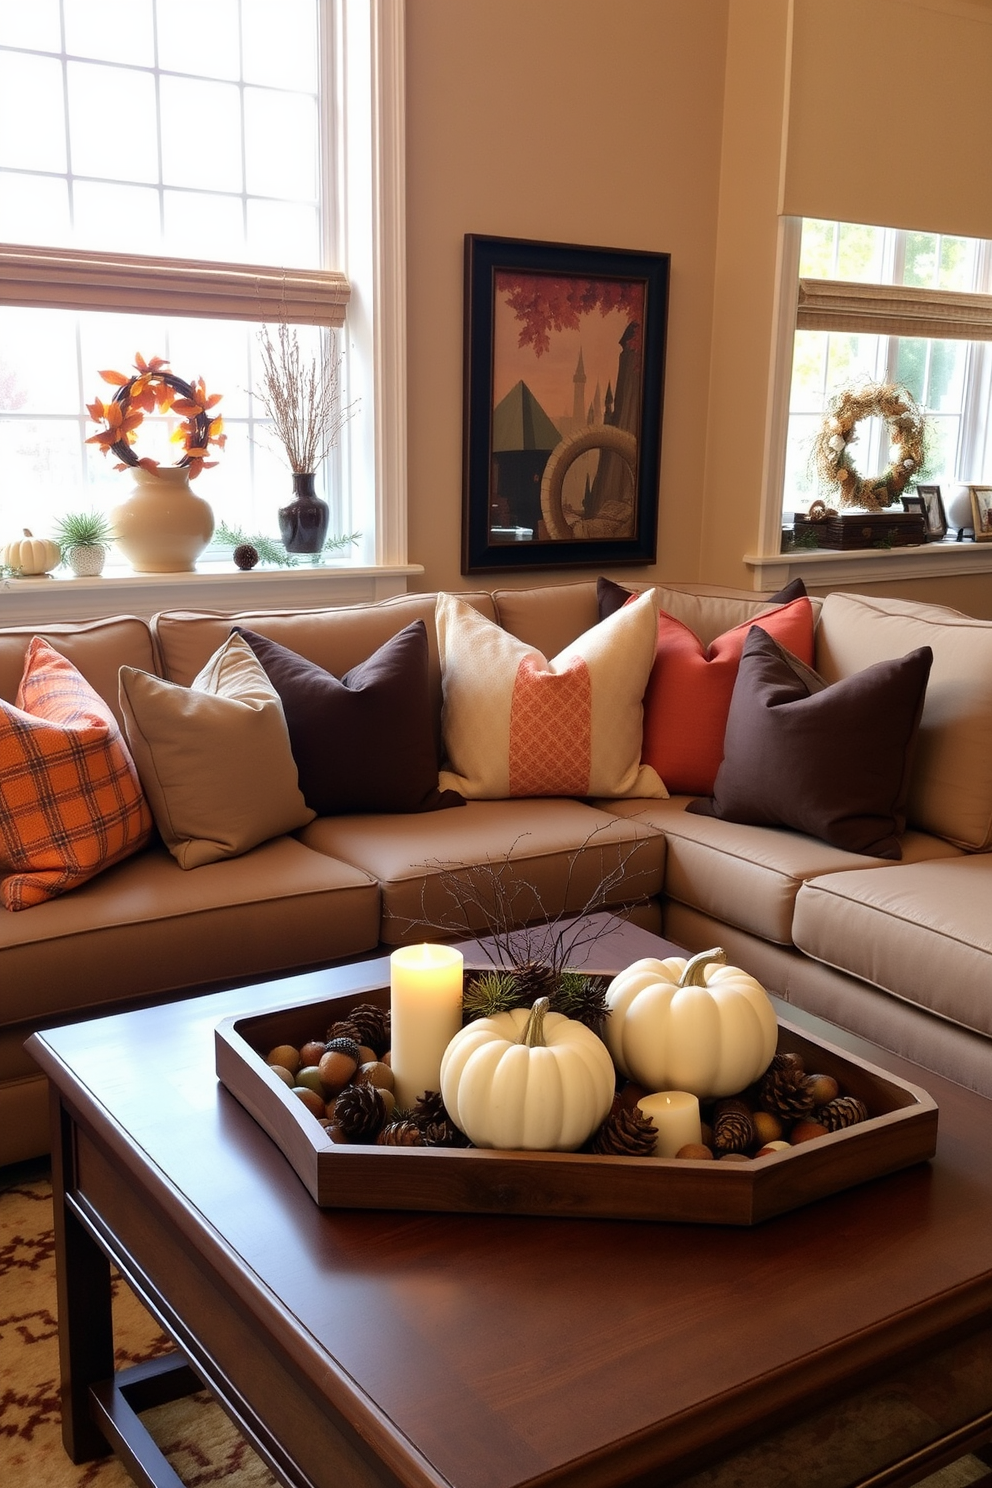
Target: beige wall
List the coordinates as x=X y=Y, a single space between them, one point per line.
x=572 y=121
x=648 y=124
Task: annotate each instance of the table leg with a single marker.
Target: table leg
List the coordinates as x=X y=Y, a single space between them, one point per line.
x=86 y=1335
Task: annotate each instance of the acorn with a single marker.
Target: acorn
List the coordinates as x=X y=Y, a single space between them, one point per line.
x=338 y=1064
x=695 y=1152
x=375 y=1073
x=286 y=1055
x=310 y=1099
x=312 y=1052
x=823 y=1089
x=807 y=1131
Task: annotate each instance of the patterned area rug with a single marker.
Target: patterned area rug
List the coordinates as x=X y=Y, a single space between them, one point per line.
x=838 y=1445
x=195 y=1434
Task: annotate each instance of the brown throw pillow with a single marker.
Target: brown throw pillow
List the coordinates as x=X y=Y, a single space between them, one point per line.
x=365 y=741
x=831 y=761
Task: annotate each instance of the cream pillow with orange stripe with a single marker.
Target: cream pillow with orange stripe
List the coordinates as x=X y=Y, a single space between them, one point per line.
x=516 y=724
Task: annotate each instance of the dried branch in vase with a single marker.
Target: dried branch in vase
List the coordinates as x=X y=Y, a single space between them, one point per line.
x=301 y=397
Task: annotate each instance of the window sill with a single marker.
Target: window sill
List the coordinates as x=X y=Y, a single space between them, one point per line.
x=870 y=565
x=49 y=600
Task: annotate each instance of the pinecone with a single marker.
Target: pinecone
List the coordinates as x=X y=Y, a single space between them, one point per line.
x=535 y=979
x=781 y=1061
x=785 y=1091
x=360 y=1112
x=844 y=1110
x=626 y=1132
x=436 y=1125
x=582 y=998
x=344 y=1028
x=373 y=1024
x=400 y=1134
x=245 y=556
x=733 y=1129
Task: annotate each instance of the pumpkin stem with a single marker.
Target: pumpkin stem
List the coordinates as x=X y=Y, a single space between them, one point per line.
x=692 y=976
x=26 y=531
x=533 y=1034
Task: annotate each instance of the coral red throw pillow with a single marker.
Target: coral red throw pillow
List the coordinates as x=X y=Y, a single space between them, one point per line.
x=70 y=800
x=689 y=691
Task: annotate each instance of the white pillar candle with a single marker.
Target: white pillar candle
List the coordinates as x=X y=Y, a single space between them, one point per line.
x=425 y=1013
x=676 y=1115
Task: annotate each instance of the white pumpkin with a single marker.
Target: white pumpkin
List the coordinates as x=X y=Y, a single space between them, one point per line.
x=695 y=1024
x=528 y=1079
x=32 y=555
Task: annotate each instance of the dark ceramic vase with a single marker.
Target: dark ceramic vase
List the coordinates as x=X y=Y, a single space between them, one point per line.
x=303 y=523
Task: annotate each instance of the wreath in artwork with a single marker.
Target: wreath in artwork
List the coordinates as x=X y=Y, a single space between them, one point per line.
x=154 y=389
x=832 y=455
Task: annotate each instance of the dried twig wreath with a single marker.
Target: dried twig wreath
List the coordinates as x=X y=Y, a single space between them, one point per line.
x=907 y=434
x=153 y=388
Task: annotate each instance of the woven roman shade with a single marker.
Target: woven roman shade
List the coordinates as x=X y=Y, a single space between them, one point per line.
x=67 y=278
x=893 y=310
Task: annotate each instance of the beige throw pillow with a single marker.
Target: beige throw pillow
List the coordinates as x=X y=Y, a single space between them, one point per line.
x=214 y=758
x=516 y=724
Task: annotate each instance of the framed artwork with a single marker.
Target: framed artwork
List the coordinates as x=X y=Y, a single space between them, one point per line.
x=564 y=383
x=981 y=512
x=928 y=500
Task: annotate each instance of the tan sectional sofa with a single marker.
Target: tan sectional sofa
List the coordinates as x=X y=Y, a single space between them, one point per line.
x=901 y=952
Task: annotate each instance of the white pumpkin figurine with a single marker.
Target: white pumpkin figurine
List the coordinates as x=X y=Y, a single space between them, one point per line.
x=696 y=1024
x=529 y=1079
x=31 y=556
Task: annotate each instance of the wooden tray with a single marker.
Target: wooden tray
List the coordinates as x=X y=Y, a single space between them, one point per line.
x=902 y=1130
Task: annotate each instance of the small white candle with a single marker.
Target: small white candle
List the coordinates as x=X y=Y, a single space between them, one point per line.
x=425 y=1012
x=676 y=1115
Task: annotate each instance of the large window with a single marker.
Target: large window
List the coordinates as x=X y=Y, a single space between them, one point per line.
x=165 y=186
x=881 y=305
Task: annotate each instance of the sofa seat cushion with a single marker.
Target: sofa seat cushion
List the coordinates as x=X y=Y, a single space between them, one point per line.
x=921 y=931
x=749 y=876
x=549 y=854
x=146 y=927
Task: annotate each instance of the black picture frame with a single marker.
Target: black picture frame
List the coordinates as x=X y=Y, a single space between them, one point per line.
x=932 y=505
x=547 y=488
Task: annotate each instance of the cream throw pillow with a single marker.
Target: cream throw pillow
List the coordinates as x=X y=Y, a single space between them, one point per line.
x=214 y=758
x=515 y=724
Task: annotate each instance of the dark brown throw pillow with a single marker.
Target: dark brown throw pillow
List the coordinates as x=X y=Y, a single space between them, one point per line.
x=365 y=741
x=611 y=596
x=831 y=761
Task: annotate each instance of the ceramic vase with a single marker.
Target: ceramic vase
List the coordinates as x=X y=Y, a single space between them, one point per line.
x=162 y=527
x=303 y=523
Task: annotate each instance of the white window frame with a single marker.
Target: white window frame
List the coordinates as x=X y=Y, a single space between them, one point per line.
x=850 y=305
x=365 y=190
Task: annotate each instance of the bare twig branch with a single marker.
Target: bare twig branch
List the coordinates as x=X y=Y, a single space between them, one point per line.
x=302 y=398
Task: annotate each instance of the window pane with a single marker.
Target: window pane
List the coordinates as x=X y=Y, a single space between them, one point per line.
x=112 y=122
x=859 y=251
x=958 y=263
x=32 y=113
x=34 y=209
x=38 y=361
x=121 y=219
x=113 y=30
x=35 y=25
x=282 y=55
x=270 y=120
x=283 y=233
x=201 y=134
x=213 y=24
x=201 y=225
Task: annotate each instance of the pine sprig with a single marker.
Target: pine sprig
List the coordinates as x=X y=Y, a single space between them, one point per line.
x=491 y=992
x=271 y=550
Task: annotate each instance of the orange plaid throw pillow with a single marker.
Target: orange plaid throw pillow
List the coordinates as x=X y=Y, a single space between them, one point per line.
x=70 y=800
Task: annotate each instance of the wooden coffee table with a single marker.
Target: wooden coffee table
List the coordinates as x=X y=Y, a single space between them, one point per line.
x=458 y=1351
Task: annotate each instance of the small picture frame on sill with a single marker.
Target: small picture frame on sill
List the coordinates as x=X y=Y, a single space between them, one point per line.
x=981 y=512
x=928 y=500
x=564 y=378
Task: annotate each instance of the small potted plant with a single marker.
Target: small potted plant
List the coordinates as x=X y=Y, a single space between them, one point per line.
x=84 y=539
